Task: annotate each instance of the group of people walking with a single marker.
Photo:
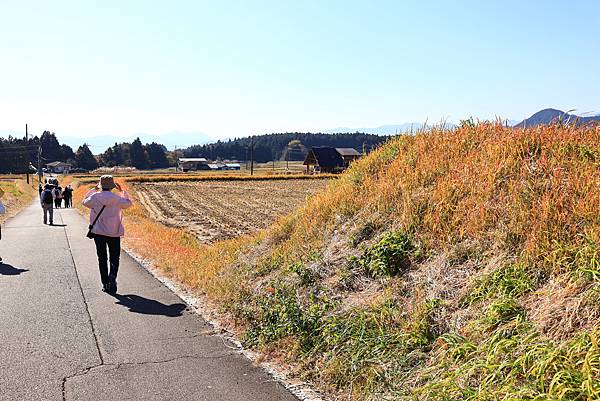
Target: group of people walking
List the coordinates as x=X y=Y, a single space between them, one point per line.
x=106 y=221
x=59 y=194
x=52 y=195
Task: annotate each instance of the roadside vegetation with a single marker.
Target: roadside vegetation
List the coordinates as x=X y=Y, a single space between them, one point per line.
x=447 y=265
x=17 y=193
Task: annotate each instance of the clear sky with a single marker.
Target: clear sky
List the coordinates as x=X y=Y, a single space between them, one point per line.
x=235 y=68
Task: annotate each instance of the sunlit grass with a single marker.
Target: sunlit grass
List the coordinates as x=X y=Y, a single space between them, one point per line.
x=17 y=193
x=428 y=271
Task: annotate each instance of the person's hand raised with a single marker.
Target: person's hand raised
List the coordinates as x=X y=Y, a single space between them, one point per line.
x=118 y=186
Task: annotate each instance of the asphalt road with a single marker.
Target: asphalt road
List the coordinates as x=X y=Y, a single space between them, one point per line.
x=61 y=338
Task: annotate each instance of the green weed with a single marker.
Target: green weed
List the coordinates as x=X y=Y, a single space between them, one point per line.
x=388 y=257
x=512 y=280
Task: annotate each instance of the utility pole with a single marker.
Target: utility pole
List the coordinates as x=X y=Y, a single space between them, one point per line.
x=27 y=151
x=252 y=155
x=40 y=172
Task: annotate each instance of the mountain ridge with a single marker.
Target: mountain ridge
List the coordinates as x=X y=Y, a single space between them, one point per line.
x=551 y=116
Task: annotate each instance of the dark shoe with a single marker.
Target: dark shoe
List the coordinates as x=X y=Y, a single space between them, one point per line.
x=112 y=285
x=105 y=288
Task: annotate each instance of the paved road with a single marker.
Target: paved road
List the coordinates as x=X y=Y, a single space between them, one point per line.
x=61 y=338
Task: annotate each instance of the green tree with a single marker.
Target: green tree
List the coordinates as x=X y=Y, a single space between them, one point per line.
x=52 y=150
x=157 y=157
x=85 y=159
x=138 y=155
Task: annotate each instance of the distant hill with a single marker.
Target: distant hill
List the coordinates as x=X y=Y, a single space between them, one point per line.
x=550 y=116
x=273 y=146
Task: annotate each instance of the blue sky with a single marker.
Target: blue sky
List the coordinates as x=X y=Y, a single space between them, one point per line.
x=234 y=68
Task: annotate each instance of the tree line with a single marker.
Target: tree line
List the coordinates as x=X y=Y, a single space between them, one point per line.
x=135 y=154
x=275 y=146
x=17 y=154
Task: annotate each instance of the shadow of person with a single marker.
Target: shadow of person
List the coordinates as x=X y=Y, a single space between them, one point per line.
x=146 y=306
x=8 y=270
x=58 y=225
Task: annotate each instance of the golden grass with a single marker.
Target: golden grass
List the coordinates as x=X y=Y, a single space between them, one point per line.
x=17 y=194
x=509 y=217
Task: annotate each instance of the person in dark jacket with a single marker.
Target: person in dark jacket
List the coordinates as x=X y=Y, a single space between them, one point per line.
x=47 y=202
x=68 y=196
x=58 y=196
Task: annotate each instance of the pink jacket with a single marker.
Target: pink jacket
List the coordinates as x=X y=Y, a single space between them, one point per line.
x=110 y=222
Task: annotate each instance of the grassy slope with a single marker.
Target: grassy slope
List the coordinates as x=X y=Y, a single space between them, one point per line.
x=17 y=194
x=443 y=266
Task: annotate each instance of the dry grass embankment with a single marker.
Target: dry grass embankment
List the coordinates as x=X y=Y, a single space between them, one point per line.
x=457 y=265
x=17 y=194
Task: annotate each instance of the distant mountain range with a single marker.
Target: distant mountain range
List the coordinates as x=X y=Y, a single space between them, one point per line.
x=98 y=144
x=391 y=129
x=550 y=116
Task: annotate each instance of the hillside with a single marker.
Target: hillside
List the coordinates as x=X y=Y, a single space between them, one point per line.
x=457 y=265
x=552 y=116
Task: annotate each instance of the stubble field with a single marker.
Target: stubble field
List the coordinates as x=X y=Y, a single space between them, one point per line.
x=217 y=210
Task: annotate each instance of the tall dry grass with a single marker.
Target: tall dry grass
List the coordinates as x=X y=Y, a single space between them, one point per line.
x=496 y=292
x=17 y=193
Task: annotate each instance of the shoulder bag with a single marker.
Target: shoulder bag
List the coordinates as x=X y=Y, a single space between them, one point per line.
x=90 y=234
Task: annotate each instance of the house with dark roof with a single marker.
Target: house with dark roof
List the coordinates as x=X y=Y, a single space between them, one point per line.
x=329 y=160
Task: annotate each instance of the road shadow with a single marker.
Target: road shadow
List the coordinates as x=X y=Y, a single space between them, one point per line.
x=138 y=304
x=8 y=270
x=57 y=225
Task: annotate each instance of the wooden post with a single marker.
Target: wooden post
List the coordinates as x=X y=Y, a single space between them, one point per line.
x=40 y=172
x=252 y=155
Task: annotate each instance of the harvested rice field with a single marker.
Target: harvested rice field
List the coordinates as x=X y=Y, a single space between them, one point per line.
x=217 y=210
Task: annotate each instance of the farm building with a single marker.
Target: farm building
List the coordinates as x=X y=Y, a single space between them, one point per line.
x=59 y=167
x=348 y=154
x=192 y=164
x=329 y=160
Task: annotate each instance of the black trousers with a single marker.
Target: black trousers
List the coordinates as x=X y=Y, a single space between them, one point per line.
x=114 y=250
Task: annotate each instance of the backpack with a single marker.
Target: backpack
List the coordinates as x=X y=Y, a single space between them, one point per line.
x=47 y=197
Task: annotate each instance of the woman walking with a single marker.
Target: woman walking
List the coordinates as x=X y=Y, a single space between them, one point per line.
x=106 y=217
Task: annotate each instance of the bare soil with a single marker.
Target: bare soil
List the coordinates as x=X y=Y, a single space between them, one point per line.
x=217 y=210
